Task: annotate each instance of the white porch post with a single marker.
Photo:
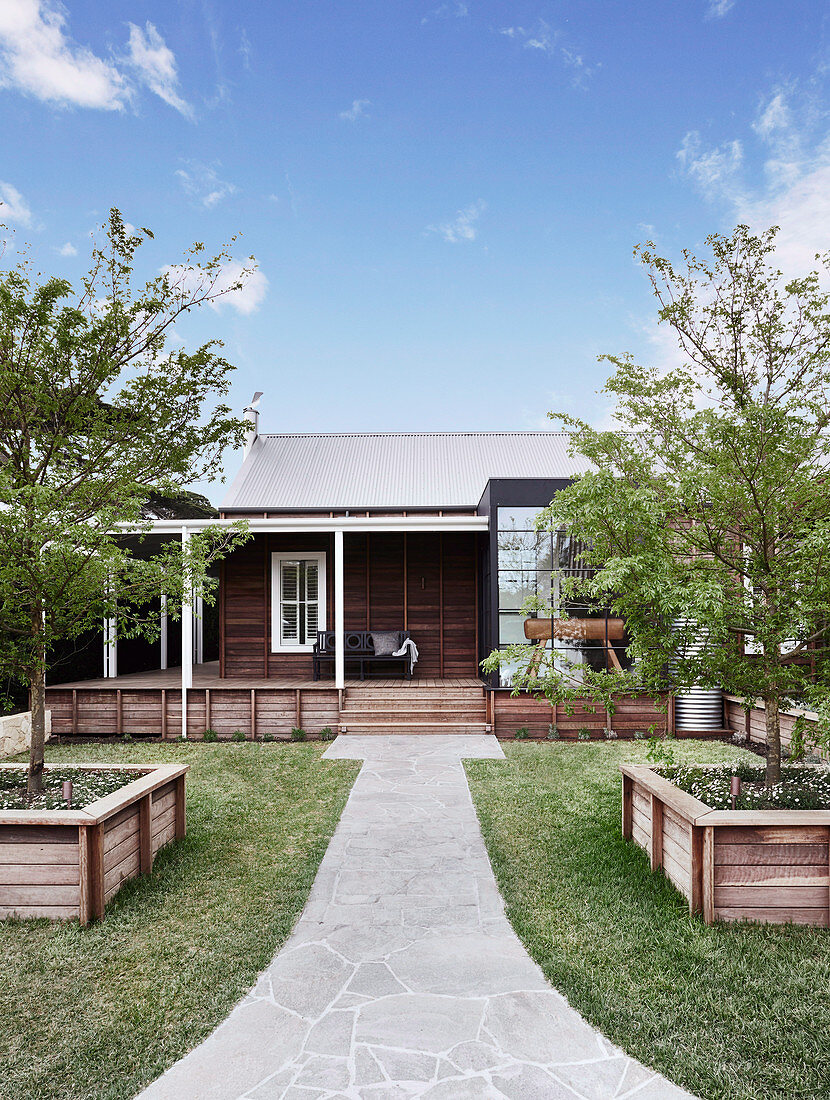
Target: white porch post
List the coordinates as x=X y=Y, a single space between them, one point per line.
x=163 y=639
x=187 y=636
x=199 y=629
x=110 y=647
x=339 y=625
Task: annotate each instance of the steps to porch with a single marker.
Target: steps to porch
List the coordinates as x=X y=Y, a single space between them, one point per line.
x=448 y=708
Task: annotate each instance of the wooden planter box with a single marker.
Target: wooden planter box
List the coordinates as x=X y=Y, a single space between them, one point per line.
x=761 y=865
x=67 y=864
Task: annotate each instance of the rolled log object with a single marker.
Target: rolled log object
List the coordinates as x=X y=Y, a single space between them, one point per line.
x=582 y=630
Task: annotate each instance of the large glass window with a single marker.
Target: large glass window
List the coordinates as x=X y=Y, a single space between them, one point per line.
x=532 y=565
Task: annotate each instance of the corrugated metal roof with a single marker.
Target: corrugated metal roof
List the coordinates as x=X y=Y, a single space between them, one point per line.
x=392 y=470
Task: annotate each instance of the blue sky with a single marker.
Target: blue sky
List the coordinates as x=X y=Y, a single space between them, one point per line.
x=442 y=198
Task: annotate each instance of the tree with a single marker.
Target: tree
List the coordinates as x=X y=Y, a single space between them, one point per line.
x=98 y=417
x=708 y=518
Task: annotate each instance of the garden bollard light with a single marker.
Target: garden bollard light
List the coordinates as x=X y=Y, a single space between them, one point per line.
x=735 y=790
x=67 y=792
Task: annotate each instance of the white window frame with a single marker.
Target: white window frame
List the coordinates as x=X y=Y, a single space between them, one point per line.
x=277 y=559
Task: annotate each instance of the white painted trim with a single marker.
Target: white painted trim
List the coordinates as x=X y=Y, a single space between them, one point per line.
x=164 y=622
x=276 y=595
x=320 y=523
x=339 y=614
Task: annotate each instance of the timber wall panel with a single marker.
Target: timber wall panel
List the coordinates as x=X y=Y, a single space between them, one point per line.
x=768 y=872
x=39 y=871
x=633 y=714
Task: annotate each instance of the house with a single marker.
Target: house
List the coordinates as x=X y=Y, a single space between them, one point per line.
x=355 y=533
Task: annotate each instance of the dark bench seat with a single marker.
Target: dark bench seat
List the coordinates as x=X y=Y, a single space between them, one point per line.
x=358 y=647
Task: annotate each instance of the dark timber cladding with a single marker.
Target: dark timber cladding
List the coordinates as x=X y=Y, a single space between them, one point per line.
x=421 y=581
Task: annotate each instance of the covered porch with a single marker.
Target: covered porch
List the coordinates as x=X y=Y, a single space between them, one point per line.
x=149 y=704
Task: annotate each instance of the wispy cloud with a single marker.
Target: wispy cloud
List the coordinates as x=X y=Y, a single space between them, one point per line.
x=547 y=40
x=203 y=184
x=39 y=58
x=463 y=226
x=245 y=286
x=454 y=10
x=791 y=145
x=13 y=207
x=717 y=9
x=356 y=111
x=154 y=64
x=67 y=249
x=245 y=50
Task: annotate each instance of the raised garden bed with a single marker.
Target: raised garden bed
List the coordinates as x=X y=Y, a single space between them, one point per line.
x=761 y=865
x=67 y=864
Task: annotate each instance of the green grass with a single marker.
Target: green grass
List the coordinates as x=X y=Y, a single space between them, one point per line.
x=96 y=1013
x=731 y=1012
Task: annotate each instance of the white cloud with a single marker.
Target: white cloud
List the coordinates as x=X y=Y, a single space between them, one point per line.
x=13 y=207
x=249 y=284
x=548 y=40
x=714 y=170
x=155 y=66
x=38 y=58
x=454 y=10
x=246 y=50
x=717 y=9
x=356 y=111
x=67 y=249
x=793 y=191
x=463 y=226
x=202 y=183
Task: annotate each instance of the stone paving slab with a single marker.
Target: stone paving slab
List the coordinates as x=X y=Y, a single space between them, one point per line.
x=403 y=977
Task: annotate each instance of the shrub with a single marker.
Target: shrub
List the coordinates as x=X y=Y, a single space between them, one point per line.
x=327 y=734
x=521 y=733
x=238 y=735
x=268 y=737
x=298 y=734
x=553 y=732
x=583 y=734
x=210 y=735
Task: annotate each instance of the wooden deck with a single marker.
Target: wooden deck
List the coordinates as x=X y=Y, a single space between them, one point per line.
x=207 y=676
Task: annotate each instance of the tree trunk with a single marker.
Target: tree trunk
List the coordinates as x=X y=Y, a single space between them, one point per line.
x=37 y=704
x=773 y=723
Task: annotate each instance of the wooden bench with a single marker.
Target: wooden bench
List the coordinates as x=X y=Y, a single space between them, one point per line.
x=357 y=647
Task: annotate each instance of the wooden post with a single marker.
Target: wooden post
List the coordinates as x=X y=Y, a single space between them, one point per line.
x=253 y=714
x=119 y=713
x=656 y=846
x=405 y=585
x=74 y=710
x=696 y=880
x=164 y=714
x=207 y=708
x=670 y=715
x=708 y=874
x=96 y=871
x=627 y=805
x=84 y=883
x=748 y=724
x=145 y=834
x=181 y=819
x=441 y=603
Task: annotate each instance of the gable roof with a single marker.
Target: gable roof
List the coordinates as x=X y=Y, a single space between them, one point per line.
x=396 y=470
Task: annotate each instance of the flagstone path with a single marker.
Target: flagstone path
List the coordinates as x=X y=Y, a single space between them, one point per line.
x=403 y=977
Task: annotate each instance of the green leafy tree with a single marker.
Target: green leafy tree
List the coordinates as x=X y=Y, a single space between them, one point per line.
x=97 y=417
x=708 y=519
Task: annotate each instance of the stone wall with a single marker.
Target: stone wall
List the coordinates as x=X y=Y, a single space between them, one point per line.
x=16 y=731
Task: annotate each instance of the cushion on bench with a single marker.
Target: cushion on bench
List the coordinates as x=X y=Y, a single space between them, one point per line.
x=385 y=642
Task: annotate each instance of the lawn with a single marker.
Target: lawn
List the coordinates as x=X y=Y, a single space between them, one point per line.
x=97 y=1013
x=730 y=1012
